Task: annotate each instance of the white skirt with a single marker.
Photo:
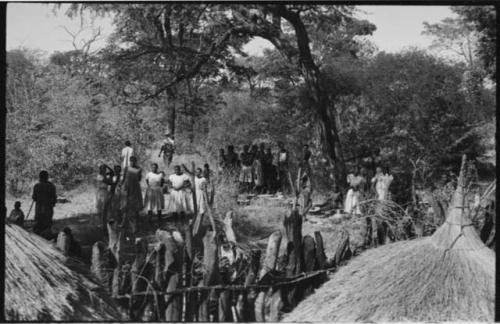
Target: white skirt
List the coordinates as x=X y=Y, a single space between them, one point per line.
x=179 y=201
x=352 y=202
x=154 y=200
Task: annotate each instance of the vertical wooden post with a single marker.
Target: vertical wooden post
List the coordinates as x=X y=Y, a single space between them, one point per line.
x=187 y=266
x=309 y=254
x=137 y=303
x=224 y=310
x=193 y=188
x=320 y=251
x=272 y=250
x=248 y=313
x=293 y=229
x=173 y=270
x=210 y=276
x=374 y=227
x=114 y=240
x=343 y=250
x=228 y=227
x=369 y=233
x=309 y=264
x=160 y=266
x=203 y=304
x=276 y=306
x=259 y=306
x=102 y=261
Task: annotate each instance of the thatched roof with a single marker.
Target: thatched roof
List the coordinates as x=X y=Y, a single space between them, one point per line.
x=41 y=285
x=449 y=276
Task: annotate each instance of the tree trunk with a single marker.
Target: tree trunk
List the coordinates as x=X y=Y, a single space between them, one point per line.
x=327 y=123
x=172 y=111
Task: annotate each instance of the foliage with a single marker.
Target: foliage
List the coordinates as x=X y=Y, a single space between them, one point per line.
x=180 y=67
x=483 y=19
x=63 y=122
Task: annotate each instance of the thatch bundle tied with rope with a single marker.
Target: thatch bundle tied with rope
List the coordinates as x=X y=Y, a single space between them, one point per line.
x=449 y=276
x=41 y=284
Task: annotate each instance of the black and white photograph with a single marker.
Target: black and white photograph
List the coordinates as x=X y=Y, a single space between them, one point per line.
x=250 y=162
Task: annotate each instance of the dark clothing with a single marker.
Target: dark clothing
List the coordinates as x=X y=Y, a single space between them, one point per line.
x=307 y=156
x=305 y=164
x=232 y=161
x=269 y=176
x=44 y=195
x=247 y=159
x=17 y=217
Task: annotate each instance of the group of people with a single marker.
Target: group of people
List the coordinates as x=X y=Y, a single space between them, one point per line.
x=258 y=170
x=191 y=192
x=119 y=194
x=358 y=187
x=44 y=198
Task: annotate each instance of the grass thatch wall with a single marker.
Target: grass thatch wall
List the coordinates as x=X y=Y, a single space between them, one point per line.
x=41 y=284
x=449 y=276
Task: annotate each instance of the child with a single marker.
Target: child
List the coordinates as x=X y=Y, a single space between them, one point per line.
x=16 y=215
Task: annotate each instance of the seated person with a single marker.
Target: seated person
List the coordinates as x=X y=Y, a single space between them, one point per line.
x=16 y=215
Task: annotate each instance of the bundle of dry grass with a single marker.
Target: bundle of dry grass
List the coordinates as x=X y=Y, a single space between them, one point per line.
x=40 y=285
x=449 y=276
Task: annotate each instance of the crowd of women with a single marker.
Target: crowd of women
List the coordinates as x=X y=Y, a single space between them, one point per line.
x=119 y=194
x=258 y=170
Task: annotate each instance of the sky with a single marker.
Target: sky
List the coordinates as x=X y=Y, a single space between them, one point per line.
x=35 y=26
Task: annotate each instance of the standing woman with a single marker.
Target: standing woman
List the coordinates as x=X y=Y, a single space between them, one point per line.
x=180 y=201
x=201 y=186
x=131 y=196
x=154 y=193
x=103 y=195
x=353 y=197
x=382 y=180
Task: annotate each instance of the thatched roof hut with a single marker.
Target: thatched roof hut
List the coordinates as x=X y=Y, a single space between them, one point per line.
x=449 y=276
x=41 y=284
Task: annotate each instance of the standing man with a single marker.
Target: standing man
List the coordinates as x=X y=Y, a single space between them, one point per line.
x=168 y=149
x=283 y=167
x=44 y=195
x=232 y=160
x=246 y=169
x=127 y=153
x=268 y=170
x=132 y=202
x=305 y=164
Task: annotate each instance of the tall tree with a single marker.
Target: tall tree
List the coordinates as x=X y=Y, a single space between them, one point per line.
x=483 y=19
x=177 y=42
